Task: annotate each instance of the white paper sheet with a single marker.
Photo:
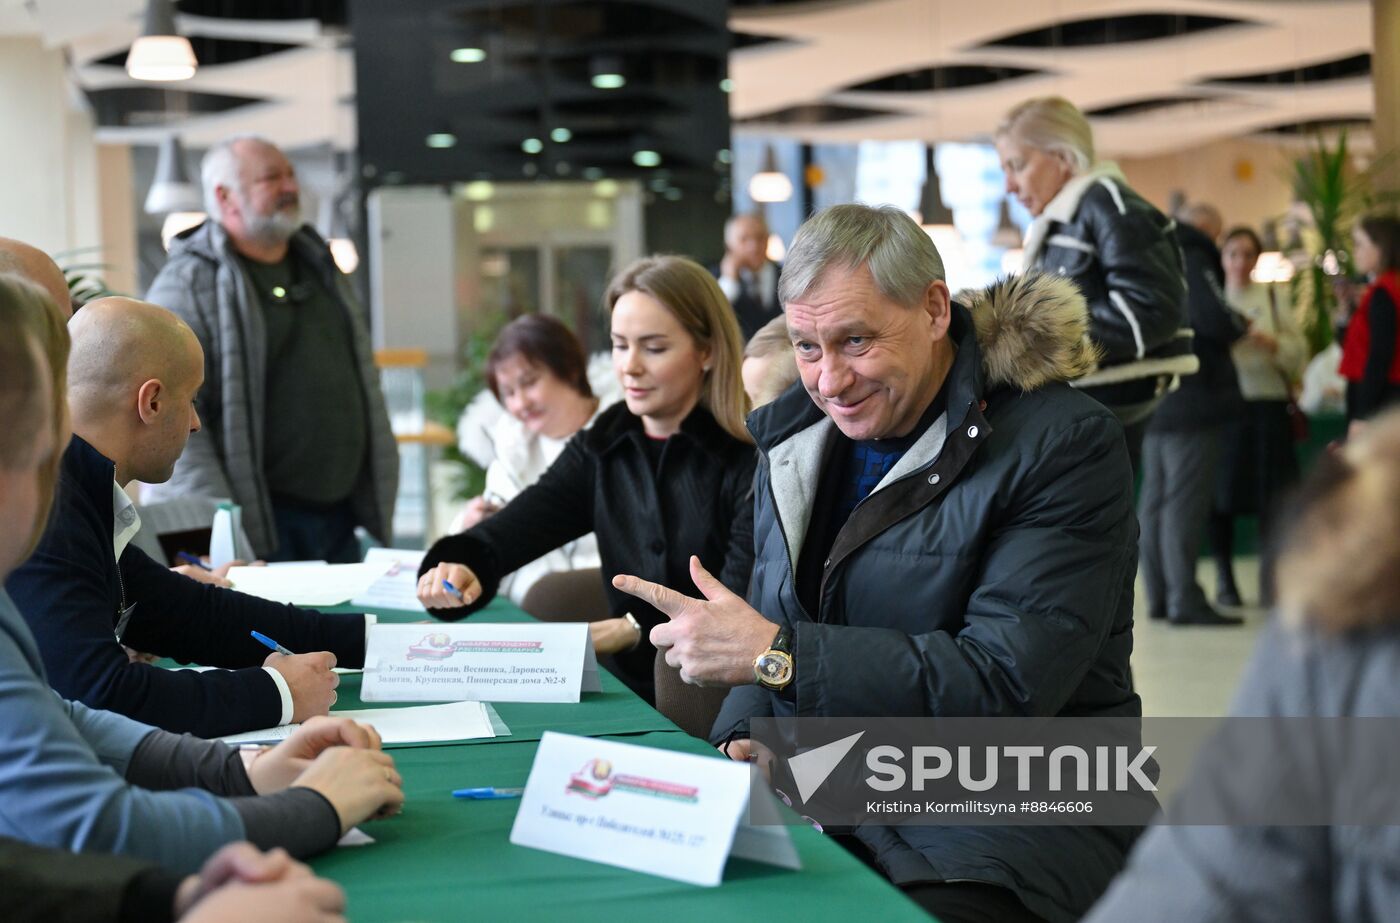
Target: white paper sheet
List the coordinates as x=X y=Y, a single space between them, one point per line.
x=397 y=585
x=311 y=585
x=414 y=725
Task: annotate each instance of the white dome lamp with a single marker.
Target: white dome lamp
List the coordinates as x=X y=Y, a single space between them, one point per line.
x=770 y=184
x=161 y=53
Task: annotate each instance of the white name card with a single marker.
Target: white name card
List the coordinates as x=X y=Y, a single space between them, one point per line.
x=675 y=815
x=479 y=661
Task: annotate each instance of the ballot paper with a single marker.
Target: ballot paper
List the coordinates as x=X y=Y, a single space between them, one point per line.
x=419 y=724
x=397 y=585
x=309 y=585
x=482 y=661
x=355 y=837
x=676 y=815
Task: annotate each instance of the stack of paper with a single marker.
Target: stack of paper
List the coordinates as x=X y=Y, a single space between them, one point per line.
x=415 y=725
x=309 y=585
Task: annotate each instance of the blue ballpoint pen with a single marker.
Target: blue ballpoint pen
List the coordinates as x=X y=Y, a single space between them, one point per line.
x=191 y=559
x=452 y=589
x=488 y=794
x=265 y=640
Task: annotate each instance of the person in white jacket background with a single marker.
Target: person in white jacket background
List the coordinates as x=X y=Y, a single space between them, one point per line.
x=539 y=374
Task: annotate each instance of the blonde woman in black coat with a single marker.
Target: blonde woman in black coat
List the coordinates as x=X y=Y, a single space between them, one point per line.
x=666 y=474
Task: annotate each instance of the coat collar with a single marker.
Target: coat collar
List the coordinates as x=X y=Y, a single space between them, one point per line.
x=1063 y=207
x=617 y=425
x=210 y=241
x=88 y=469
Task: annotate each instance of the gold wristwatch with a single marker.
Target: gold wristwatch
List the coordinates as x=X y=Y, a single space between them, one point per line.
x=773 y=668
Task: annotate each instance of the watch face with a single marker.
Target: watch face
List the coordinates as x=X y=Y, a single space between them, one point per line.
x=774 y=668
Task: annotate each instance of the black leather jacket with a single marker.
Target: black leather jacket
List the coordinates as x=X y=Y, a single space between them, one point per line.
x=1122 y=254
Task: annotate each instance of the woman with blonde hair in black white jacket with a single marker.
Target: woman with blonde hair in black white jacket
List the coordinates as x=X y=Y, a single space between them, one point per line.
x=1090 y=226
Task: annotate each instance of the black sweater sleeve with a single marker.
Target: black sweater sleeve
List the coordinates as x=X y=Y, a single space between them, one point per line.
x=64 y=593
x=1371 y=390
x=300 y=820
x=556 y=509
x=195 y=622
x=42 y=885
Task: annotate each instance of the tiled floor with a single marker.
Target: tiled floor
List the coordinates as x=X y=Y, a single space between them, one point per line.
x=1185 y=671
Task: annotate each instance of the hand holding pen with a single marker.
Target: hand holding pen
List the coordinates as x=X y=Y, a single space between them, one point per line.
x=448 y=586
x=310 y=677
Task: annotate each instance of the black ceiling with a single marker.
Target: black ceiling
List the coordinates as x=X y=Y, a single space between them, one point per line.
x=1139 y=106
x=952 y=77
x=815 y=113
x=1113 y=30
x=1315 y=126
x=137 y=106
x=330 y=12
x=213 y=51
x=1341 y=69
x=536 y=77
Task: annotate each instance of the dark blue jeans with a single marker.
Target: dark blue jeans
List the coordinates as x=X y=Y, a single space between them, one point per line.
x=310 y=533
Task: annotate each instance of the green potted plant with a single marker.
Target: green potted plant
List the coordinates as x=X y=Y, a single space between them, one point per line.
x=1334 y=194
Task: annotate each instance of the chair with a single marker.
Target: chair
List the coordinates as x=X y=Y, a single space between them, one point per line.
x=568 y=596
x=692 y=708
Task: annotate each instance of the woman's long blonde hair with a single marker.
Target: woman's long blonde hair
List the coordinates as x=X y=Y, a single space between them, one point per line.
x=694 y=298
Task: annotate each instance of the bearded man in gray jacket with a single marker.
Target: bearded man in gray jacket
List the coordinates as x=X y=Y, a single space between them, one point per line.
x=295 y=427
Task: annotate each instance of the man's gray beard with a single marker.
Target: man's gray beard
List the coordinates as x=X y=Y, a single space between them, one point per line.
x=276 y=228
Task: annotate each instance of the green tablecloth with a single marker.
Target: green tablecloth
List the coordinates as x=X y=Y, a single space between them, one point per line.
x=614 y=711
x=445 y=859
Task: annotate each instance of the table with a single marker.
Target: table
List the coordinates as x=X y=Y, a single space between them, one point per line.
x=445 y=859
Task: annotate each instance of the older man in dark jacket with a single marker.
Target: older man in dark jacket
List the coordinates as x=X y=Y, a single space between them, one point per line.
x=1182 y=448
x=943 y=528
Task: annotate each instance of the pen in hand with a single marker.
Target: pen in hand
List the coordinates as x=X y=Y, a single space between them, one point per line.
x=191 y=559
x=447 y=584
x=268 y=642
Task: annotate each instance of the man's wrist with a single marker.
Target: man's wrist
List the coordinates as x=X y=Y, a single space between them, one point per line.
x=775 y=666
x=636 y=627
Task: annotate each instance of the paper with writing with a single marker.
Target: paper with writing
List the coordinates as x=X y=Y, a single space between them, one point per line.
x=397 y=585
x=482 y=661
x=676 y=815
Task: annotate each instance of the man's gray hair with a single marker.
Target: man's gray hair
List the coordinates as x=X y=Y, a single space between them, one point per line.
x=899 y=254
x=220 y=168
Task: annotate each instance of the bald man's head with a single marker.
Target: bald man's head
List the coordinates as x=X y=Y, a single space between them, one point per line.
x=133 y=375
x=35 y=265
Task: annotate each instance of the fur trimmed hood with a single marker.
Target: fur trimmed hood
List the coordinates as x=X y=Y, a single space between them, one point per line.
x=1032 y=329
